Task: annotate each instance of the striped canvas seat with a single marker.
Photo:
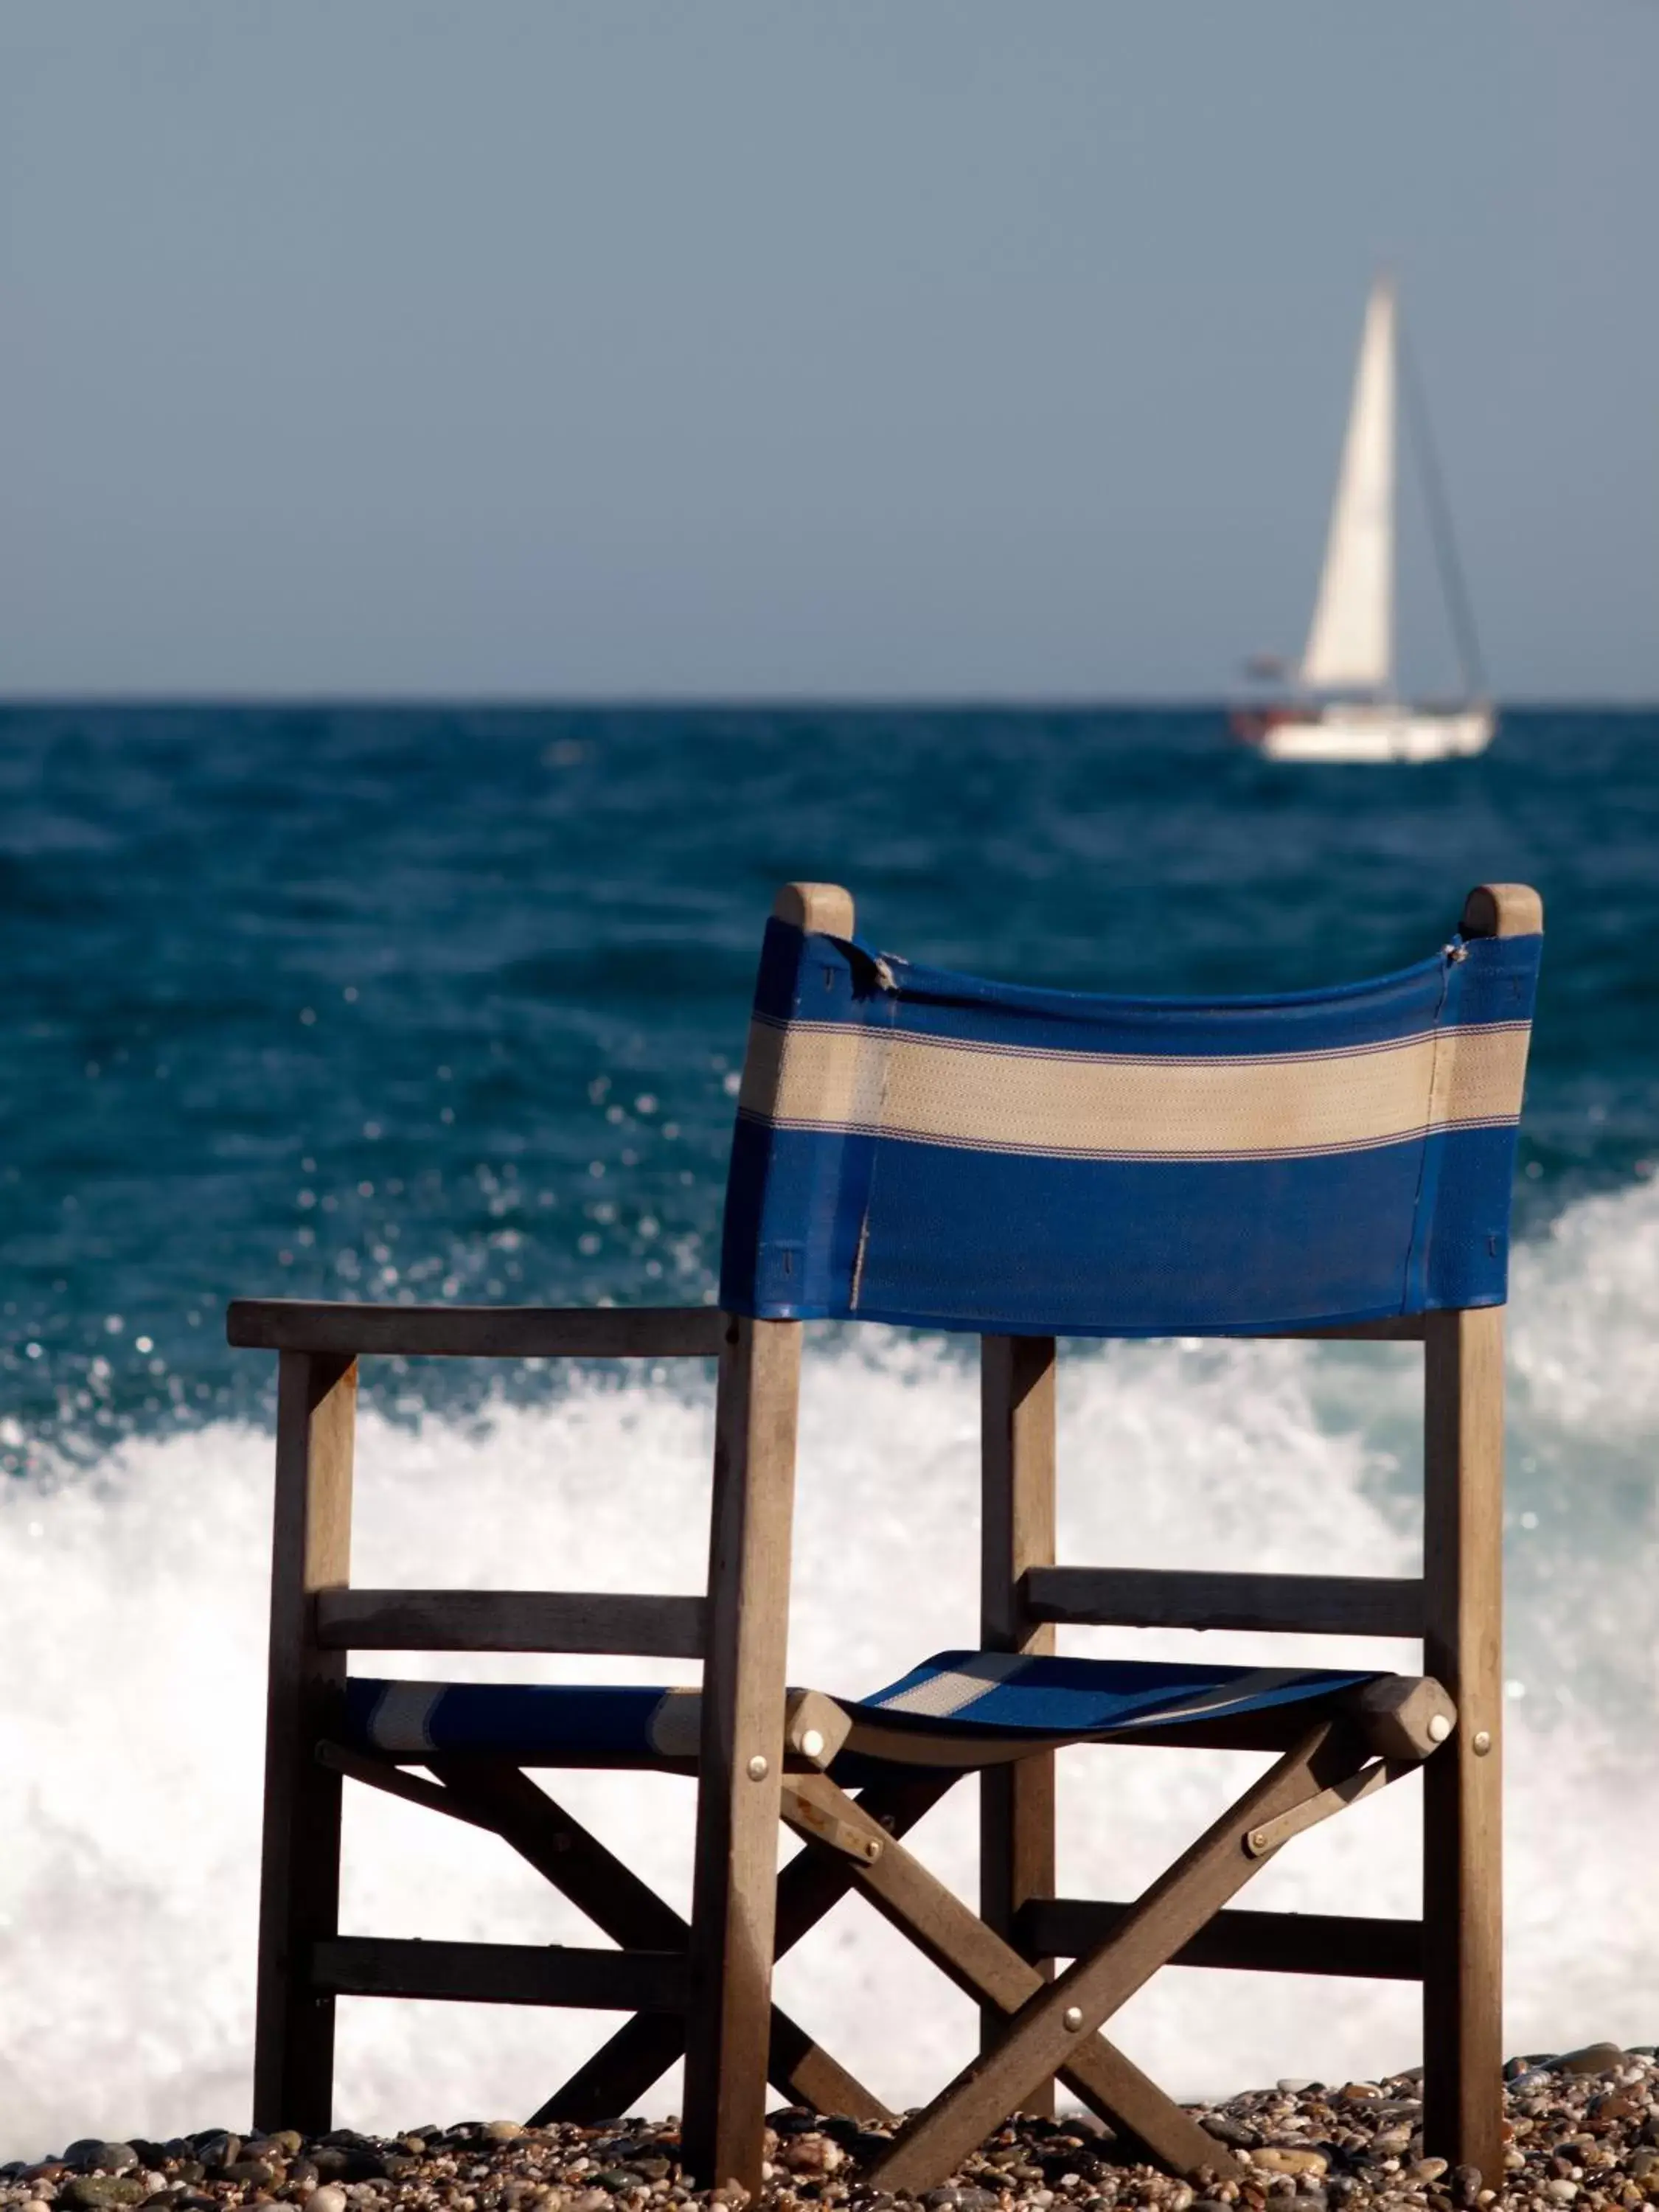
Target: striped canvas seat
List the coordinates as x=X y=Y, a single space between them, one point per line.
x=527 y=1722
x=975 y=1707
x=918 y=1146
x=957 y=1708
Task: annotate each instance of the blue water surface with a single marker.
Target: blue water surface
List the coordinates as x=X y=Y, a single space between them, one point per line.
x=448 y=1003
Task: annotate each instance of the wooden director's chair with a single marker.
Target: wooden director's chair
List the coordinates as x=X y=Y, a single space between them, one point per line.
x=918 y=1147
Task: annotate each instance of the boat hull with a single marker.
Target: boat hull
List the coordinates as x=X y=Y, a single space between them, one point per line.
x=1366 y=733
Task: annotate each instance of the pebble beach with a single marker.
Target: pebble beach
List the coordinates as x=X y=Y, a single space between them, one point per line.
x=1582 y=2129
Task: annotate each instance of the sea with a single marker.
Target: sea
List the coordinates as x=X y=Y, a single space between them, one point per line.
x=449 y=1003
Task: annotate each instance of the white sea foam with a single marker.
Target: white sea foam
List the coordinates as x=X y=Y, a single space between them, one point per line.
x=130 y=1699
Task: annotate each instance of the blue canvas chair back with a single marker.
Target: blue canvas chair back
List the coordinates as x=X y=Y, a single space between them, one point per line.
x=923 y=1147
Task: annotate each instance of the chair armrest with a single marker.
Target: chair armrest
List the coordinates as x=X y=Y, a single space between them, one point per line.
x=477 y=1331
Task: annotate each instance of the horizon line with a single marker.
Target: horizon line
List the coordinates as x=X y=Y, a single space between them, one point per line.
x=736 y=703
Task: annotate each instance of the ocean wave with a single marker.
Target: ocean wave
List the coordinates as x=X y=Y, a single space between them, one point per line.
x=131 y=1715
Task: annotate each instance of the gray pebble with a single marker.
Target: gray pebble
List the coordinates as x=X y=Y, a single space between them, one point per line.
x=330 y=2197
x=112 y=2157
x=1593 y=2058
x=1530 y=2077
x=1235 y=2133
x=352 y=2162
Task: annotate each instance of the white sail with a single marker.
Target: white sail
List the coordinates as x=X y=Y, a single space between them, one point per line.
x=1351 y=641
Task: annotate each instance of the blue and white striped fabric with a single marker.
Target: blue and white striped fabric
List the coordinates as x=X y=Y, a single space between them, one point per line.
x=522 y=1720
x=959 y=1708
x=974 y=1707
x=925 y=1148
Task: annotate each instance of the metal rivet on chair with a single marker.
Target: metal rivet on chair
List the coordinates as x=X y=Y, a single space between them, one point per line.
x=811 y=1744
x=1482 y=1742
x=1072 y=2018
x=757 y=1768
x=1440 y=1727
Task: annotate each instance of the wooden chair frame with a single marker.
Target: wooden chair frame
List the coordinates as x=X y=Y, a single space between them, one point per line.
x=705 y=1992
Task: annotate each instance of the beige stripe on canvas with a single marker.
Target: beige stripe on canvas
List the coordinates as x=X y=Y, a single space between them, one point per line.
x=1078 y=1105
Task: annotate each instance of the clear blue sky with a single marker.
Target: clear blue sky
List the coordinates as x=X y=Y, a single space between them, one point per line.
x=940 y=347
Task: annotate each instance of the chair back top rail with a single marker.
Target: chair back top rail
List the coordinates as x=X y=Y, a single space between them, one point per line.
x=1295 y=1605
x=640 y=1624
x=478 y=1332
x=924 y=1147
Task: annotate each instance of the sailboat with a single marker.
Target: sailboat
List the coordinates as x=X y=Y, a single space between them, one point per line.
x=1344 y=707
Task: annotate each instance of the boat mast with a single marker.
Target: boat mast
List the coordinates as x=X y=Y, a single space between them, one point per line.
x=1460 y=610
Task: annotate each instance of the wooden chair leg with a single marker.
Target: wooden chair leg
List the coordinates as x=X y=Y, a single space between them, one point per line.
x=299 y=1871
x=1463 y=1782
x=734 y=1893
x=1017 y=1531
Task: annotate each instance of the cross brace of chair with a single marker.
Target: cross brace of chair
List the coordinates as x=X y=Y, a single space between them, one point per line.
x=500 y=1798
x=1052 y=2027
x=958 y=1943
